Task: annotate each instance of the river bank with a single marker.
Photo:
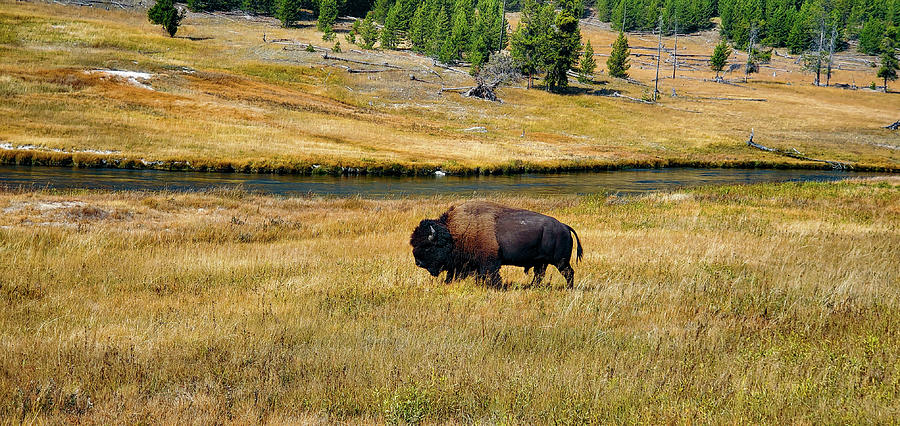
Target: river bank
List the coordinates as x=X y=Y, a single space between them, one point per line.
x=38 y=158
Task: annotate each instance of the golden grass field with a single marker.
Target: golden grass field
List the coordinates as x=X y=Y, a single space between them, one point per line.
x=774 y=303
x=225 y=100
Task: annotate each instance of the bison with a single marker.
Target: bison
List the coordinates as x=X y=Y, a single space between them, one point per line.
x=477 y=237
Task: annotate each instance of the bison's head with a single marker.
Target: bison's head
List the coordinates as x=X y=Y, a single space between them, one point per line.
x=432 y=244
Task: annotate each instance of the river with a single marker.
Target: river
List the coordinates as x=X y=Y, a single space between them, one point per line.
x=621 y=181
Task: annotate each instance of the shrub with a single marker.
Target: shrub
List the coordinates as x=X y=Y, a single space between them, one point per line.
x=164 y=13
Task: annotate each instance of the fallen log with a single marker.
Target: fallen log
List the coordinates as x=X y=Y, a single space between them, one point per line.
x=712 y=98
x=447 y=67
x=354 y=61
x=356 y=70
x=303 y=48
x=793 y=153
x=619 y=95
x=457 y=89
x=413 y=77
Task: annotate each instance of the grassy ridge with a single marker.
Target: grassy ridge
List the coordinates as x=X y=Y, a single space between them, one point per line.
x=225 y=100
x=764 y=303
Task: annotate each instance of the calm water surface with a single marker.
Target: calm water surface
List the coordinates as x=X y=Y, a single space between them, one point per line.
x=622 y=181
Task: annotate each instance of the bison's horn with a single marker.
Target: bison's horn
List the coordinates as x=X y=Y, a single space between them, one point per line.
x=431 y=237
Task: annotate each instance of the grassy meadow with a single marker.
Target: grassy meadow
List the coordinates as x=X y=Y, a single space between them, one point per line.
x=773 y=303
x=223 y=99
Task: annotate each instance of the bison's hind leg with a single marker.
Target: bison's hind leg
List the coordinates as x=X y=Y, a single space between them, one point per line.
x=565 y=268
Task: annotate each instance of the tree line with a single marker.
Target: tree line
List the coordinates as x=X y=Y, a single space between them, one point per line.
x=547 y=40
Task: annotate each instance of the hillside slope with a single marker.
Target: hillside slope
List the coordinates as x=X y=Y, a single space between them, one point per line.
x=220 y=97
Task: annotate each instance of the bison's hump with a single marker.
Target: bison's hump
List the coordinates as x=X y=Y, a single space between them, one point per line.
x=473 y=225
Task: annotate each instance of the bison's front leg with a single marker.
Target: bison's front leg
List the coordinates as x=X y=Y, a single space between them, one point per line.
x=490 y=275
x=538 y=275
x=450 y=276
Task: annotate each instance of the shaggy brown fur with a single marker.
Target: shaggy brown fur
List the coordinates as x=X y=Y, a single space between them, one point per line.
x=472 y=225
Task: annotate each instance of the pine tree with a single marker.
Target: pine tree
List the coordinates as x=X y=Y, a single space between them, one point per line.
x=602 y=8
x=889 y=65
x=798 y=39
x=566 y=39
x=381 y=9
x=390 y=34
x=870 y=37
x=620 y=15
x=418 y=31
x=258 y=7
x=720 y=57
x=617 y=64
x=164 y=13
x=328 y=13
x=588 y=64
x=778 y=22
x=461 y=33
x=368 y=31
x=440 y=46
x=288 y=11
x=530 y=44
x=489 y=29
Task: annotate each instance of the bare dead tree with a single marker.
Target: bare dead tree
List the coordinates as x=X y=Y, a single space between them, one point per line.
x=658 y=54
x=820 y=48
x=499 y=69
x=675 y=50
x=750 y=63
x=793 y=153
x=830 y=55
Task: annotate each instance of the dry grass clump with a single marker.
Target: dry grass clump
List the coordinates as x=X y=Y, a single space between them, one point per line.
x=765 y=303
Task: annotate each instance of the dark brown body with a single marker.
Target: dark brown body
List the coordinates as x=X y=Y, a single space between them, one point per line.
x=477 y=237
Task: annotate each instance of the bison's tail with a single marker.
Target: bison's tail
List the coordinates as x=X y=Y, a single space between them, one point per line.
x=579 y=252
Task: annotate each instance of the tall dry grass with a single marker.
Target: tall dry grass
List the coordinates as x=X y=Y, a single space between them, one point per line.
x=769 y=303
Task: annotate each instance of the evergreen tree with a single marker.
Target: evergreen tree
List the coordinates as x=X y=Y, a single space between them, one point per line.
x=489 y=30
x=870 y=37
x=164 y=13
x=390 y=34
x=575 y=8
x=328 y=13
x=779 y=22
x=588 y=64
x=799 y=38
x=440 y=45
x=617 y=64
x=619 y=15
x=368 y=31
x=461 y=32
x=530 y=43
x=418 y=31
x=889 y=65
x=566 y=39
x=288 y=11
x=381 y=9
x=258 y=7
x=405 y=14
x=602 y=9
x=720 y=57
